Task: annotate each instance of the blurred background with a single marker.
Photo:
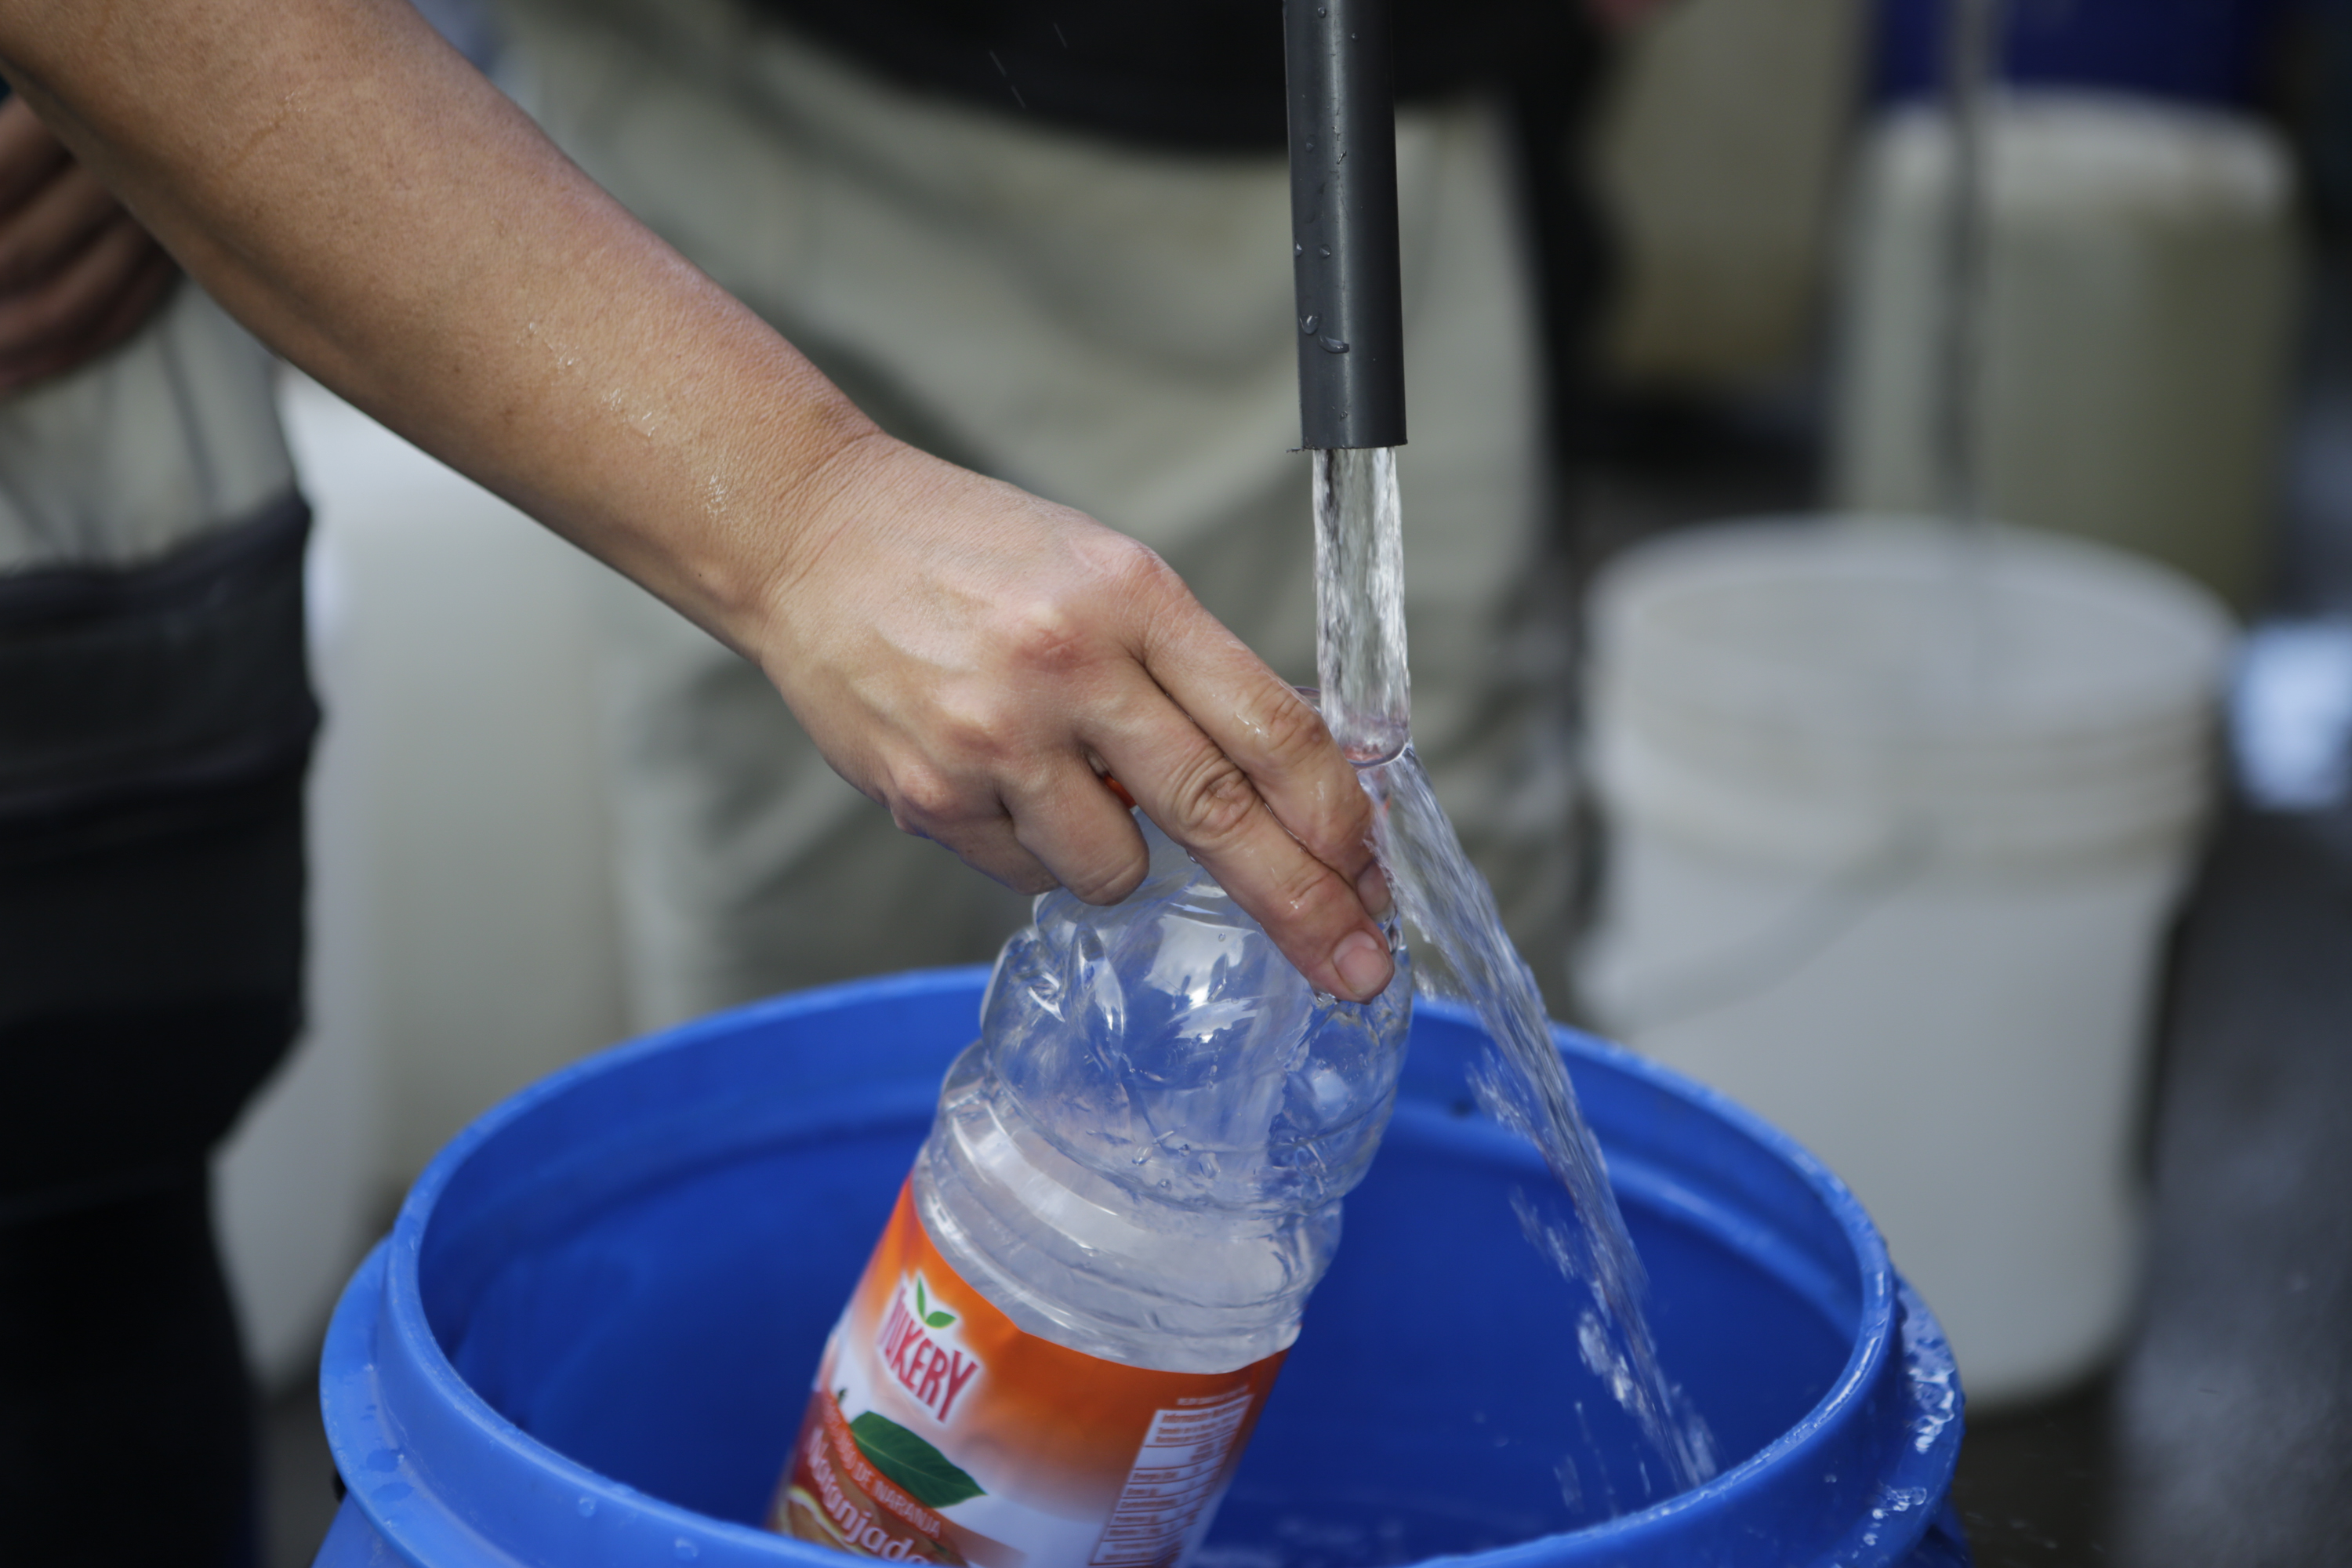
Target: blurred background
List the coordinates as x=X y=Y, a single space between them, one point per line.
x=2157 y=368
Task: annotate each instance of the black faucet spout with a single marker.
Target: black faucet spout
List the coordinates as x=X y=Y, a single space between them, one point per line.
x=1343 y=221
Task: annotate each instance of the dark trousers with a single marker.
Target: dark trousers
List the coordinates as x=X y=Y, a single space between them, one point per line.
x=153 y=730
x=126 y=1419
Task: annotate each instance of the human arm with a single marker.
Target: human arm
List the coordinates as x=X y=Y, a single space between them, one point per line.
x=968 y=655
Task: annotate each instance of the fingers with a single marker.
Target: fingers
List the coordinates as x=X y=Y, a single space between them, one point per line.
x=76 y=273
x=1077 y=828
x=1200 y=794
x=133 y=303
x=94 y=301
x=52 y=226
x=991 y=847
x=1275 y=737
x=28 y=154
x=1066 y=828
x=1057 y=826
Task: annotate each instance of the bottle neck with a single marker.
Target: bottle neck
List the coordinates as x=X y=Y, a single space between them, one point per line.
x=1086 y=1262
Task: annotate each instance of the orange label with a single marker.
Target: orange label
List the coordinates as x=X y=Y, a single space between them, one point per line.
x=940 y=1432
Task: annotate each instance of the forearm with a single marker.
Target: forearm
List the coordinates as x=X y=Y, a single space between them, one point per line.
x=970 y=655
x=374 y=210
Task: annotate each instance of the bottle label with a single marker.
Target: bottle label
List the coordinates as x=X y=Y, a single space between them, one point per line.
x=940 y=1432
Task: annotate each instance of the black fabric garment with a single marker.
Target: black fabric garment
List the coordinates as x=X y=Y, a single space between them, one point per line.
x=155 y=725
x=126 y=1420
x=169 y=684
x=1206 y=76
x=111 y=1101
x=1203 y=75
x=1549 y=111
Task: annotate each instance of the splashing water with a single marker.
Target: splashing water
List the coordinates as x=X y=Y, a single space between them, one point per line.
x=1360 y=660
x=1523 y=1085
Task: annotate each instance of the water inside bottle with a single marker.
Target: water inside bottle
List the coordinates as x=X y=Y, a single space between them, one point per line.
x=1361 y=663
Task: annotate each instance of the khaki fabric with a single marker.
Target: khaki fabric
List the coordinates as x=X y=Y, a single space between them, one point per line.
x=171 y=435
x=1107 y=326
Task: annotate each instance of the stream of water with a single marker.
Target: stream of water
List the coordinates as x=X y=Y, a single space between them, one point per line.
x=1971 y=58
x=1367 y=701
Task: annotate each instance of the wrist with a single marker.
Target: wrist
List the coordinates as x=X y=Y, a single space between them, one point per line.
x=829 y=486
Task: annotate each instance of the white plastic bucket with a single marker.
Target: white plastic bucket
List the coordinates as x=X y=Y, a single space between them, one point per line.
x=1897 y=820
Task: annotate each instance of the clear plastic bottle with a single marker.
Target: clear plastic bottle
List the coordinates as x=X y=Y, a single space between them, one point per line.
x=1106 y=1244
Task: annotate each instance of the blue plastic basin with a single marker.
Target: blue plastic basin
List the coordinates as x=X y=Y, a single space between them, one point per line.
x=588 y=1340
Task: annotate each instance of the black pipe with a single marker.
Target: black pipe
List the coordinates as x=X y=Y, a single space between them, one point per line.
x=1343 y=223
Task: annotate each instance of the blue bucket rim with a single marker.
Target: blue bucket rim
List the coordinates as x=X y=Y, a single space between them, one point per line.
x=1890 y=1317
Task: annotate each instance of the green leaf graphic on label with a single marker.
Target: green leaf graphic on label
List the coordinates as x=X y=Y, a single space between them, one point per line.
x=906 y=1458
x=939 y=1320
x=923 y=1309
x=921 y=1306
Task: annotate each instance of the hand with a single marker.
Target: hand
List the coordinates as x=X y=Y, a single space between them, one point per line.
x=77 y=274
x=977 y=660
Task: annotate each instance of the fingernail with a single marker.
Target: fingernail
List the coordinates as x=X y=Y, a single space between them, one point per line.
x=1363 y=962
x=1373 y=888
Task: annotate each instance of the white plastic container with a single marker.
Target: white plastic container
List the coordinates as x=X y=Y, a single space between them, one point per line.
x=1897 y=821
x=2141 y=290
